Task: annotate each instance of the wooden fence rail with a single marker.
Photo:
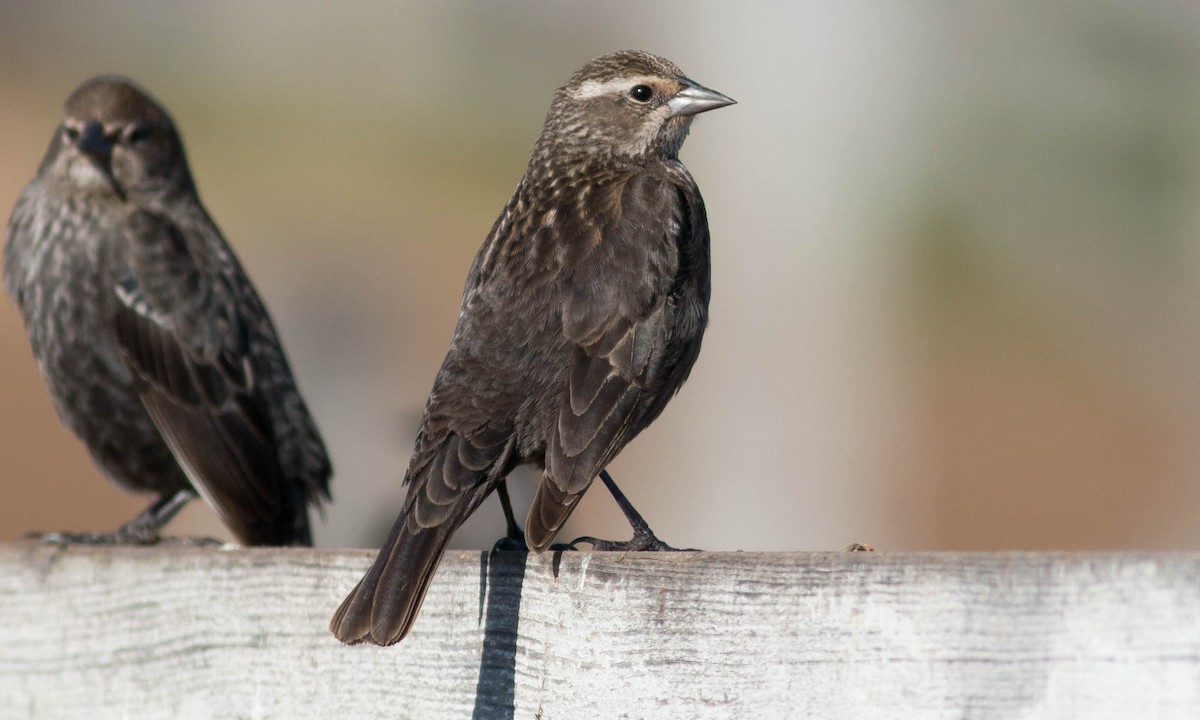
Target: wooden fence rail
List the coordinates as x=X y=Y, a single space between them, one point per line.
x=178 y=632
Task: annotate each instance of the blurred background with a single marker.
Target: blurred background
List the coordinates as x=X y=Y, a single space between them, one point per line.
x=956 y=252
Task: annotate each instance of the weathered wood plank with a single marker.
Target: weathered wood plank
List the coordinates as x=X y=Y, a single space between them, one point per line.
x=184 y=632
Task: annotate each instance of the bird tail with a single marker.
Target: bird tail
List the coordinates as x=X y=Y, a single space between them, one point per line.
x=442 y=493
x=383 y=606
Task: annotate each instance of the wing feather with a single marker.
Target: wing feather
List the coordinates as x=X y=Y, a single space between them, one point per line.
x=188 y=351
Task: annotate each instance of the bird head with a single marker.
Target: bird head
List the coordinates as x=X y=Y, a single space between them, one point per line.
x=630 y=105
x=115 y=139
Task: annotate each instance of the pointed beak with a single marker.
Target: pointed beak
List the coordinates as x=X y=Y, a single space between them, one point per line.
x=93 y=143
x=695 y=98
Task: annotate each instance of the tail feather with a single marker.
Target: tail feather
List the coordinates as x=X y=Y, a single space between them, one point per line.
x=383 y=606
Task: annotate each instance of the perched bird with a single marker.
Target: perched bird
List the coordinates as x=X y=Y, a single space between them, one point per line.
x=581 y=317
x=158 y=352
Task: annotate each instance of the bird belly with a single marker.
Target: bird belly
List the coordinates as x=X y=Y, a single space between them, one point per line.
x=66 y=304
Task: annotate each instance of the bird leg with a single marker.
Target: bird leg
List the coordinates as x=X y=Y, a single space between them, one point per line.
x=515 y=537
x=643 y=539
x=143 y=529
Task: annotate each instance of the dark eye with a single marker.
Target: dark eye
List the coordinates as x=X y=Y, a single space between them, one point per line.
x=139 y=134
x=72 y=134
x=641 y=93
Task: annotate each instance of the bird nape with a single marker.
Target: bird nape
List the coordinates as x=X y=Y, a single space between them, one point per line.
x=582 y=316
x=157 y=350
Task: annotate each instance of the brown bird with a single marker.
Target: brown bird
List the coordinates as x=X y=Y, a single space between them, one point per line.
x=581 y=317
x=156 y=348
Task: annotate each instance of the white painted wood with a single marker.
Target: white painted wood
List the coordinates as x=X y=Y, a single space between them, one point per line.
x=192 y=632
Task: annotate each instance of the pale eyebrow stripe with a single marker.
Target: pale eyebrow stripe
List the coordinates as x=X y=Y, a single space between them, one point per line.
x=594 y=88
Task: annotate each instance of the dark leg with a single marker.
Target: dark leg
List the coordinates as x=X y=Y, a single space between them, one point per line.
x=643 y=537
x=515 y=539
x=141 y=530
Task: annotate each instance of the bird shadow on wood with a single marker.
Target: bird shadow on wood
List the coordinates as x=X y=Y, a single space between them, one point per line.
x=501 y=575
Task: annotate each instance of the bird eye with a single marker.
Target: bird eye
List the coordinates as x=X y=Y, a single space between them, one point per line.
x=139 y=134
x=71 y=134
x=641 y=93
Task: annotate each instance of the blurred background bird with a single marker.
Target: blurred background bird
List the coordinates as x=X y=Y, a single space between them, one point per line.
x=583 y=314
x=156 y=349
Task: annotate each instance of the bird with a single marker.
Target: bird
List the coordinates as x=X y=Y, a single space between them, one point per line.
x=582 y=315
x=157 y=350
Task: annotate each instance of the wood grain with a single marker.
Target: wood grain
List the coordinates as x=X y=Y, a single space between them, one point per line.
x=195 y=632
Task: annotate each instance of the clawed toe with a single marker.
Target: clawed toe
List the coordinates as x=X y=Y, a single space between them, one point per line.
x=123 y=536
x=189 y=541
x=117 y=537
x=641 y=542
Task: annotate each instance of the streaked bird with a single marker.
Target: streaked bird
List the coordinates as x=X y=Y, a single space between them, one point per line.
x=582 y=316
x=156 y=348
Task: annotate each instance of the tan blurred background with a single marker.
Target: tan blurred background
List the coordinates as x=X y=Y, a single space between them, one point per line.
x=956 y=252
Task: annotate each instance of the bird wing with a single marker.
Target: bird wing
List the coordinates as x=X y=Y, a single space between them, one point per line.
x=619 y=314
x=182 y=336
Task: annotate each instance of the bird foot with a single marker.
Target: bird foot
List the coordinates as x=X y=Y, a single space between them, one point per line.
x=512 y=542
x=190 y=541
x=643 y=541
x=121 y=536
x=144 y=529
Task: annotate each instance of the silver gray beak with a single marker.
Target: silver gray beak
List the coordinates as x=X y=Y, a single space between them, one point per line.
x=695 y=98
